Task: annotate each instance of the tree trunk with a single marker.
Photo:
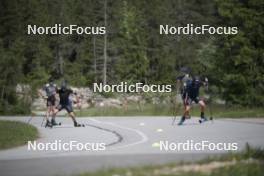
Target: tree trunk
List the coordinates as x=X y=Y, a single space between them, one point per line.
x=105 y=45
x=3 y=88
x=59 y=59
x=95 y=61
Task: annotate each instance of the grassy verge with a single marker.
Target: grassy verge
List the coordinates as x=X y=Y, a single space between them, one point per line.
x=248 y=163
x=14 y=133
x=218 y=111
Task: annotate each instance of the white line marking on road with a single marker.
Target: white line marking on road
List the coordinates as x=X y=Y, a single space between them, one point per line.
x=142 y=124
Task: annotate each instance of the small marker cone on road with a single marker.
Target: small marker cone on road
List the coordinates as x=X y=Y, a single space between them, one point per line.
x=156 y=144
x=159 y=130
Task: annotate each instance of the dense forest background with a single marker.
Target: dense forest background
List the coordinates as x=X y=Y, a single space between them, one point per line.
x=133 y=50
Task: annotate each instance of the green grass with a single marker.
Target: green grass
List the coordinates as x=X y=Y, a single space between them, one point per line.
x=218 y=111
x=13 y=133
x=241 y=169
x=247 y=163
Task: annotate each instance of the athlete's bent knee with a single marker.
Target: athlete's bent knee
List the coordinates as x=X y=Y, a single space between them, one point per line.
x=202 y=103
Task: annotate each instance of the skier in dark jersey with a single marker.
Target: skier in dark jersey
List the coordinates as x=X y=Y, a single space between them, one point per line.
x=191 y=94
x=65 y=102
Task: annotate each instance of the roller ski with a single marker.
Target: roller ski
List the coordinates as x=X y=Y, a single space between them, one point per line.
x=202 y=120
x=48 y=124
x=78 y=125
x=54 y=123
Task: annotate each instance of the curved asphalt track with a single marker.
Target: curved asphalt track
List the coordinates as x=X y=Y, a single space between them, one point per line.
x=130 y=141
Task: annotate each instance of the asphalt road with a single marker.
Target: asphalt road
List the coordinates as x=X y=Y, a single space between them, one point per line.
x=130 y=141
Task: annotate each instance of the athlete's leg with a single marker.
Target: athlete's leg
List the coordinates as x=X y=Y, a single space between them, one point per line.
x=186 y=112
x=186 y=102
x=69 y=109
x=48 y=112
x=53 y=108
x=48 y=109
x=72 y=115
x=202 y=105
x=56 y=110
x=47 y=115
x=53 y=101
x=74 y=120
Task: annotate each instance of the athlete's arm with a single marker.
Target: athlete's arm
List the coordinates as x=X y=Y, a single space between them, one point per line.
x=205 y=83
x=179 y=78
x=75 y=98
x=57 y=90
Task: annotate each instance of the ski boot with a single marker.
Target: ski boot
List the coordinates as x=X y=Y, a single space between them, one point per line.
x=182 y=120
x=203 y=119
x=54 y=123
x=78 y=125
x=48 y=124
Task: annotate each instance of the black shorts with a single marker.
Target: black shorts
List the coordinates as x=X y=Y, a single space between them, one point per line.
x=67 y=107
x=51 y=101
x=189 y=100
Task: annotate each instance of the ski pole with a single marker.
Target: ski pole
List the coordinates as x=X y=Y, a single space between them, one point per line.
x=174 y=109
x=210 y=99
x=30 y=118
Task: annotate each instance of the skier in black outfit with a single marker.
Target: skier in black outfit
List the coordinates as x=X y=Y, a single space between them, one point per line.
x=65 y=103
x=190 y=93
